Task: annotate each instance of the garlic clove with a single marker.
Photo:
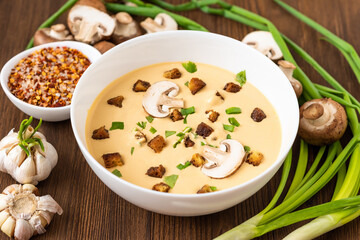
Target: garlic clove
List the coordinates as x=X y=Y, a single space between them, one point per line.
x=8 y=226
x=30 y=188
x=46 y=217
x=23 y=230
x=47 y=203
x=25 y=173
x=3 y=201
x=37 y=224
x=3 y=216
x=14 y=159
x=12 y=190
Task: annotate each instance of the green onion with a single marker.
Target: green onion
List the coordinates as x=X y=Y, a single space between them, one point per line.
x=228 y=136
x=202 y=143
x=169 y=133
x=234 y=122
x=141 y=124
x=185 y=119
x=171 y=180
x=117 y=173
x=241 y=78
x=187 y=111
x=229 y=128
x=187 y=84
x=117 y=125
x=213 y=188
x=132 y=150
x=183 y=166
x=181 y=136
x=247 y=149
x=153 y=130
x=150 y=119
x=233 y=110
x=190 y=66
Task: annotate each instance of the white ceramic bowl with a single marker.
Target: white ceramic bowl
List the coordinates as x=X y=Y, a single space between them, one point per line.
x=201 y=47
x=47 y=114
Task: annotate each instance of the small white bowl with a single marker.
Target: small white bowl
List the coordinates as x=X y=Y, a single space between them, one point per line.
x=209 y=48
x=46 y=113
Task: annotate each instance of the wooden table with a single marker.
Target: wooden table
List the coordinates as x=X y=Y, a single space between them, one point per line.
x=91 y=210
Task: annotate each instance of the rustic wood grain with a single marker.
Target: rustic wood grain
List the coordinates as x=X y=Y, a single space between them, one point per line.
x=91 y=210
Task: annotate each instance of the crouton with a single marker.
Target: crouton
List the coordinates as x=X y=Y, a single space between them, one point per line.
x=112 y=160
x=212 y=115
x=139 y=136
x=204 y=130
x=172 y=74
x=254 y=158
x=100 y=133
x=205 y=189
x=161 y=187
x=196 y=85
x=197 y=160
x=258 y=115
x=157 y=143
x=176 y=115
x=219 y=95
x=141 y=86
x=232 y=87
x=116 y=101
x=188 y=142
x=157 y=172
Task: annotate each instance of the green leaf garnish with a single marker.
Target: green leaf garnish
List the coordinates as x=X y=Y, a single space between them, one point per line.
x=187 y=84
x=233 y=110
x=183 y=166
x=153 y=130
x=181 y=135
x=213 y=188
x=117 y=173
x=171 y=180
x=150 y=119
x=187 y=111
x=190 y=67
x=202 y=143
x=241 y=78
x=132 y=150
x=247 y=149
x=117 y=125
x=234 y=122
x=169 y=133
x=141 y=124
x=228 y=136
x=229 y=128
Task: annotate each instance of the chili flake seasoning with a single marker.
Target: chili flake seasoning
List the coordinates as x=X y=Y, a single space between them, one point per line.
x=48 y=77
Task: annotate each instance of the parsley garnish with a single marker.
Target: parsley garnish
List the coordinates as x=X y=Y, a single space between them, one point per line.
x=141 y=124
x=171 y=180
x=233 y=110
x=213 y=188
x=247 y=149
x=234 y=122
x=153 y=130
x=228 y=136
x=169 y=133
x=117 y=125
x=190 y=67
x=150 y=119
x=117 y=173
x=229 y=128
x=183 y=166
x=241 y=78
x=132 y=150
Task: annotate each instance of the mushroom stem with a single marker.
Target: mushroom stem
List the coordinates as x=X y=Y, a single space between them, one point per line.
x=314 y=111
x=288 y=69
x=214 y=156
x=170 y=102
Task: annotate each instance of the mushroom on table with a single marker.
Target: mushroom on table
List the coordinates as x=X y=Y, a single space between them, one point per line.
x=288 y=69
x=263 y=42
x=125 y=29
x=55 y=33
x=162 y=22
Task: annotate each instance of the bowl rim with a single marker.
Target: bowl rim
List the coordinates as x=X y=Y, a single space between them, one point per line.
x=15 y=59
x=88 y=157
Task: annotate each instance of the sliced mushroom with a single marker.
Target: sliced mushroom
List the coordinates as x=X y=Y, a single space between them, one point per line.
x=55 y=33
x=126 y=28
x=159 y=98
x=89 y=22
x=263 y=42
x=162 y=22
x=288 y=69
x=322 y=121
x=214 y=99
x=223 y=161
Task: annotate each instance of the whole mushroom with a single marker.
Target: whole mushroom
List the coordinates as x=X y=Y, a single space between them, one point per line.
x=322 y=121
x=263 y=42
x=55 y=33
x=224 y=161
x=288 y=69
x=125 y=29
x=103 y=46
x=162 y=22
x=159 y=98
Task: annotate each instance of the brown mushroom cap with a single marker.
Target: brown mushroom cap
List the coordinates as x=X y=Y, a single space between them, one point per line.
x=55 y=33
x=104 y=46
x=125 y=29
x=322 y=121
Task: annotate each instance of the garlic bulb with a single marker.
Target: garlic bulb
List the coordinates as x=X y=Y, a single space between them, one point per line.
x=23 y=213
x=26 y=155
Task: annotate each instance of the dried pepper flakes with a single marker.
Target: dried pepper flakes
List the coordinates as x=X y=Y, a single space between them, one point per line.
x=48 y=77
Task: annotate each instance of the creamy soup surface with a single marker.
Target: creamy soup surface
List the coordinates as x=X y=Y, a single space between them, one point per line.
x=264 y=136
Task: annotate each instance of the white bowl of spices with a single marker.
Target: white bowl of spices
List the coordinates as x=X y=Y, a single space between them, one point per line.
x=40 y=81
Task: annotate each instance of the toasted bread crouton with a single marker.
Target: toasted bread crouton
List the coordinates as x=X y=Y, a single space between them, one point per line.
x=100 y=133
x=157 y=172
x=254 y=158
x=139 y=136
x=157 y=143
x=212 y=115
x=172 y=74
x=196 y=85
x=112 y=160
x=258 y=115
x=205 y=189
x=197 y=160
x=232 y=87
x=176 y=115
x=204 y=130
x=161 y=187
x=116 y=101
x=188 y=142
x=141 y=86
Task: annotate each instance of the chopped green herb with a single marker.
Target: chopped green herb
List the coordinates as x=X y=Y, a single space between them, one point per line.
x=187 y=111
x=187 y=84
x=233 y=110
x=153 y=130
x=234 y=122
x=241 y=77
x=213 y=146
x=229 y=128
x=181 y=135
x=141 y=124
x=132 y=150
x=150 y=119
x=228 y=136
x=195 y=135
x=185 y=119
x=190 y=67
x=247 y=149
x=117 y=173
x=183 y=166
x=213 y=188
x=169 y=133
x=202 y=144
x=171 y=180
x=117 y=125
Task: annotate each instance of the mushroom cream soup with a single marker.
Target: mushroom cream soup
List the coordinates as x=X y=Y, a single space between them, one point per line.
x=205 y=133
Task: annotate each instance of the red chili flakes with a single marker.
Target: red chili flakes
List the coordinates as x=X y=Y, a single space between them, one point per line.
x=48 y=77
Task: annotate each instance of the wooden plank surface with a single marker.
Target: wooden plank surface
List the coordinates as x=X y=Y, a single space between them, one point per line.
x=91 y=210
